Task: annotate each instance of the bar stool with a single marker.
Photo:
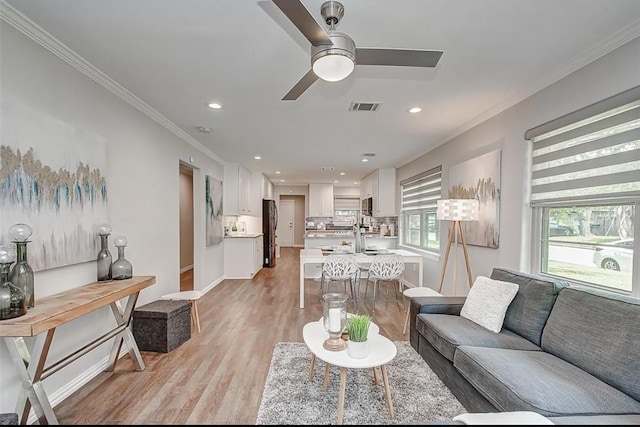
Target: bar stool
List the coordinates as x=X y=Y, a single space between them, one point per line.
x=192 y=296
x=339 y=268
x=384 y=268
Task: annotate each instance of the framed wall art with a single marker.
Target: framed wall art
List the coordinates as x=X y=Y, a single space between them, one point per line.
x=479 y=178
x=213 y=203
x=52 y=177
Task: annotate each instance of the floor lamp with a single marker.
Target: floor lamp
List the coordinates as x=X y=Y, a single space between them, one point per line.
x=457 y=211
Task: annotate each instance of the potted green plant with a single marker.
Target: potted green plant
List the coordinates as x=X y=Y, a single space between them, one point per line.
x=357 y=345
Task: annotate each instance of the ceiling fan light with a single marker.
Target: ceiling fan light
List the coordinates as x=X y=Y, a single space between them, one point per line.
x=333 y=67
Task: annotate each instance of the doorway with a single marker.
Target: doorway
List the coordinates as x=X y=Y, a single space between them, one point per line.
x=286 y=223
x=186 y=227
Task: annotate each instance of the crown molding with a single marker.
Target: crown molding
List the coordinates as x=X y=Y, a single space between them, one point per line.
x=32 y=30
x=606 y=45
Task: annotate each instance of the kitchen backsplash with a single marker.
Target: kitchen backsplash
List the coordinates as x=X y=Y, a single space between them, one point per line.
x=370 y=223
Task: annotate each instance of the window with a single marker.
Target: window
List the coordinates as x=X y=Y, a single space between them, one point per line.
x=346 y=210
x=420 y=195
x=586 y=191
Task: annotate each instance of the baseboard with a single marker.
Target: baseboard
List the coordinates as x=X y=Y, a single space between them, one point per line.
x=213 y=284
x=78 y=382
x=187 y=268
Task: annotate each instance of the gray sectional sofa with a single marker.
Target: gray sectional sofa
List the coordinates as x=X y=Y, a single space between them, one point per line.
x=563 y=352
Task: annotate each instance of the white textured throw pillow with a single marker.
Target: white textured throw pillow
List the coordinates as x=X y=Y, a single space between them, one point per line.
x=487 y=302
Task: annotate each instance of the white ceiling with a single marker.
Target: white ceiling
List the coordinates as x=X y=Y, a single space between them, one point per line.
x=179 y=55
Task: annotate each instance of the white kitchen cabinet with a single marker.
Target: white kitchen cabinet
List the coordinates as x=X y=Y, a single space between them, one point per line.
x=321 y=200
x=242 y=256
x=239 y=195
x=386 y=200
x=380 y=185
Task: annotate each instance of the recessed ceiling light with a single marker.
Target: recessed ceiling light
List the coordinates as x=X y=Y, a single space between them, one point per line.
x=257 y=157
x=356 y=183
x=343 y=173
x=215 y=105
x=335 y=182
x=282 y=180
x=203 y=129
x=414 y=110
x=364 y=160
x=277 y=172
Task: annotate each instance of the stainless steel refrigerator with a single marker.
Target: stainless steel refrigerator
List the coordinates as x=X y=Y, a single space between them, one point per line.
x=269 y=225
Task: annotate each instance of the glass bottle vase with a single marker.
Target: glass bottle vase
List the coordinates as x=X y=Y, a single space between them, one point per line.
x=121 y=268
x=104 y=260
x=22 y=274
x=13 y=302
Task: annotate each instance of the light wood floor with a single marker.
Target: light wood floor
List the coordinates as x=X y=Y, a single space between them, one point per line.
x=186 y=280
x=217 y=377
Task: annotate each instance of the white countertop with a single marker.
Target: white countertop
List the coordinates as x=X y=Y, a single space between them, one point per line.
x=328 y=235
x=244 y=236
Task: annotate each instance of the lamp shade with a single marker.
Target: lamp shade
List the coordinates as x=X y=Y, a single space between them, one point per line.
x=333 y=67
x=458 y=210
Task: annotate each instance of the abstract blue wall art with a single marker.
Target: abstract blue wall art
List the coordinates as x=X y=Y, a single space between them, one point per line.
x=213 y=194
x=52 y=177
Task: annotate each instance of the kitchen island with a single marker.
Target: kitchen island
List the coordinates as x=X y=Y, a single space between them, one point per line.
x=316 y=257
x=318 y=239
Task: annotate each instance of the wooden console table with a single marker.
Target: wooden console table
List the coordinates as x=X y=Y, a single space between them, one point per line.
x=55 y=310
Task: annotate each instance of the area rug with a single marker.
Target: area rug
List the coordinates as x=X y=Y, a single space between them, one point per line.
x=417 y=393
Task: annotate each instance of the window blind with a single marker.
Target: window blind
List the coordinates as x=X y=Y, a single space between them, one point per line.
x=422 y=192
x=346 y=204
x=592 y=159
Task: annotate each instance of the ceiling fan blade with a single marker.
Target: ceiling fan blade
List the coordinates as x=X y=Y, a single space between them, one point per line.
x=303 y=20
x=398 y=57
x=302 y=85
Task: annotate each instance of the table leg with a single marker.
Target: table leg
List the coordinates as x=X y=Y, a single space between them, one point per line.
x=312 y=367
x=375 y=376
x=195 y=313
x=343 y=386
x=387 y=390
x=325 y=382
x=32 y=393
x=123 y=317
x=406 y=320
x=301 y=283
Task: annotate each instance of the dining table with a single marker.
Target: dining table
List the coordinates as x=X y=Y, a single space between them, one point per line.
x=318 y=256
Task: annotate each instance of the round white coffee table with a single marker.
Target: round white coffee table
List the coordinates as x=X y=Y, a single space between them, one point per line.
x=381 y=351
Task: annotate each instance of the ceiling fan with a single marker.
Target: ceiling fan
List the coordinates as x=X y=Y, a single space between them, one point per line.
x=334 y=54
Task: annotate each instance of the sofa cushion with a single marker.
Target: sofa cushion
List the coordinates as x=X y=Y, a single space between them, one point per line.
x=487 y=302
x=599 y=332
x=516 y=380
x=446 y=332
x=529 y=310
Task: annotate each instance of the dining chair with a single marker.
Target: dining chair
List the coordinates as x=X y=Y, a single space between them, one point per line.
x=384 y=268
x=339 y=268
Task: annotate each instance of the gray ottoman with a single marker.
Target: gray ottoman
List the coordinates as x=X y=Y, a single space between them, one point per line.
x=162 y=325
x=8 y=419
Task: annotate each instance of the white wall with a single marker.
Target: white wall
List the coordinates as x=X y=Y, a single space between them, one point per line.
x=613 y=73
x=143 y=186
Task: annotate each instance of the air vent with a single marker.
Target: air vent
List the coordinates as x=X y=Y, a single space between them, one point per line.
x=368 y=154
x=327 y=168
x=364 y=106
